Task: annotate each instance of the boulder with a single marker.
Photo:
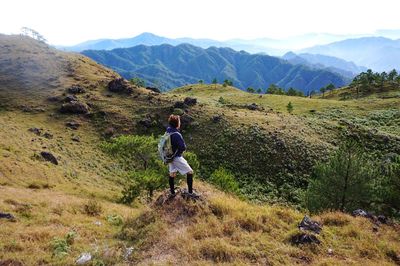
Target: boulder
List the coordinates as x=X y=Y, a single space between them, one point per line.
x=74 y=107
x=73 y=125
x=190 y=101
x=35 y=130
x=304 y=238
x=48 y=135
x=310 y=225
x=84 y=258
x=217 y=118
x=180 y=105
x=254 y=107
x=48 y=156
x=156 y=90
x=120 y=85
x=75 y=89
x=76 y=139
x=70 y=98
x=7 y=216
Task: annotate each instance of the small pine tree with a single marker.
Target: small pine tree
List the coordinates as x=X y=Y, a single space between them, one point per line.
x=251 y=90
x=201 y=81
x=214 y=81
x=343 y=183
x=289 y=107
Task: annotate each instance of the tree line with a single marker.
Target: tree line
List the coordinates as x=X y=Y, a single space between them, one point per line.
x=369 y=82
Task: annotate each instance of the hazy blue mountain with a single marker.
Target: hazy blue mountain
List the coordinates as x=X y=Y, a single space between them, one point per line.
x=170 y=66
x=377 y=53
x=152 y=39
x=318 y=61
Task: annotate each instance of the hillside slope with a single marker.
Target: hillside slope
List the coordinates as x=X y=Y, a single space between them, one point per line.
x=63 y=210
x=172 y=66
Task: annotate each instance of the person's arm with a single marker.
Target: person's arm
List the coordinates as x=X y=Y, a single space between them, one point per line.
x=181 y=144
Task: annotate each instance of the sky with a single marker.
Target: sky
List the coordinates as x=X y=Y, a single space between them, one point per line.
x=68 y=22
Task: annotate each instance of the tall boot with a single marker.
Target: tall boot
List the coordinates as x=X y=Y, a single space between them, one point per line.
x=189 y=180
x=171 y=184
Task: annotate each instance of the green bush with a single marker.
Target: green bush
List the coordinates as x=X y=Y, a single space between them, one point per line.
x=193 y=161
x=225 y=180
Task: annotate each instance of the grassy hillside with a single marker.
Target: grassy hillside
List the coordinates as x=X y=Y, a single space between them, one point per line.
x=64 y=210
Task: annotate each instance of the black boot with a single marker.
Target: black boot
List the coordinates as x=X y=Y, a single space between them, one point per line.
x=171 y=185
x=189 y=180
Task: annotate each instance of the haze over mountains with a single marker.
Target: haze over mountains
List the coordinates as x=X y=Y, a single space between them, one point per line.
x=168 y=66
x=341 y=54
x=377 y=53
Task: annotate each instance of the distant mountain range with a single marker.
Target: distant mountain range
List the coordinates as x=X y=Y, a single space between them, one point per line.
x=377 y=53
x=330 y=63
x=168 y=66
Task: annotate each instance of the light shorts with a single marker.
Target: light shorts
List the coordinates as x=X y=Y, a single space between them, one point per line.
x=179 y=164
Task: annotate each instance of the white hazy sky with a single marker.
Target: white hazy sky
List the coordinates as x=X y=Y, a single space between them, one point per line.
x=67 y=22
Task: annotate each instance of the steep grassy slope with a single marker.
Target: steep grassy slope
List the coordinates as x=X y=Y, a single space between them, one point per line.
x=66 y=209
x=172 y=66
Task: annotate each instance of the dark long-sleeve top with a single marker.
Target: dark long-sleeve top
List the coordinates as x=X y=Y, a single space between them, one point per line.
x=177 y=142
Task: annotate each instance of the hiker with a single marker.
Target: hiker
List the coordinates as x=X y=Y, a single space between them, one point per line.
x=178 y=163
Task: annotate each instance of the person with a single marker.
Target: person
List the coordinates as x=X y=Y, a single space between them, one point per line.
x=178 y=164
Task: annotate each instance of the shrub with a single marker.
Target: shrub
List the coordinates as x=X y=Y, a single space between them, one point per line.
x=92 y=207
x=343 y=183
x=225 y=180
x=193 y=161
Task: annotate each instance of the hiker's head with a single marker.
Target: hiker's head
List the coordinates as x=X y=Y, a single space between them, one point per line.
x=174 y=121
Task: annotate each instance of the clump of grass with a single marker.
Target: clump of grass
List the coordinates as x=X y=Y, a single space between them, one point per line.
x=218 y=250
x=144 y=230
x=335 y=219
x=92 y=208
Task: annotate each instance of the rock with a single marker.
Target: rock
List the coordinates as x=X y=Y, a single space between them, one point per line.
x=70 y=98
x=360 y=212
x=383 y=219
x=54 y=99
x=120 y=85
x=330 y=251
x=128 y=252
x=190 y=101
x=7 y=216
x=180 y=105
x=98 y=223
x=75 y=89
x=216 y=118
x=304 y=238
x=156 y=90
x=73 y=125
x=76 y=139
x=35 y=130
x=48 y=156
x=310 y=225
x=74 y=107
x=252 y=107
x=48 y=135
x=83 y=258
